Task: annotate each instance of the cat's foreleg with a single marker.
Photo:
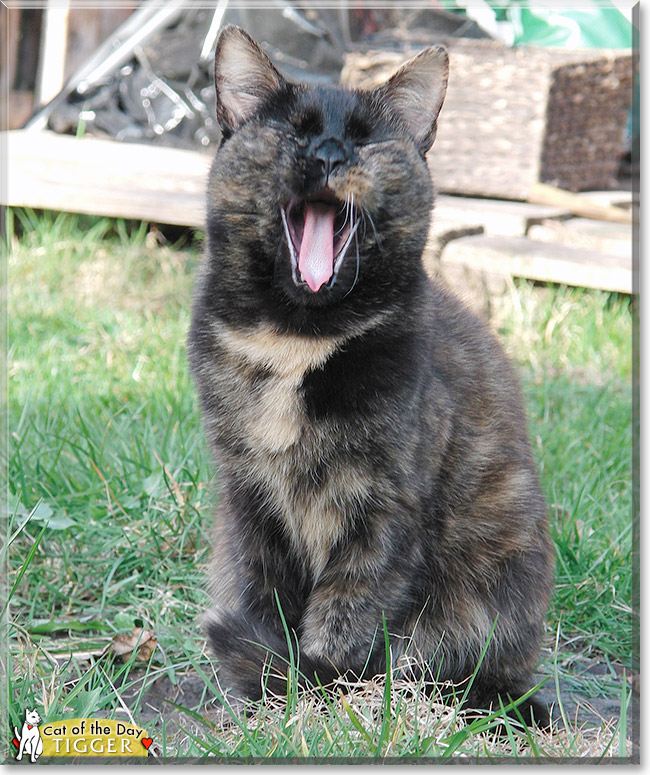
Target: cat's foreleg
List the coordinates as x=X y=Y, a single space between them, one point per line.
x=343 y=622
x=252 y=657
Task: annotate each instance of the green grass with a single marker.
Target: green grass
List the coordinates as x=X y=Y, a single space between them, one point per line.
x=574 y=348
x=110 y=493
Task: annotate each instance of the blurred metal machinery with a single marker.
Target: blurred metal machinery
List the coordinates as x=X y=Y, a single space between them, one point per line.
x=151 y=81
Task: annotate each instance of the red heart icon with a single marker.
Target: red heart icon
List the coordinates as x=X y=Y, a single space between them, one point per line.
x=146 y=742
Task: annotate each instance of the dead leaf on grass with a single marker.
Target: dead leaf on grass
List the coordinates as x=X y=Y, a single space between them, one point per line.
x=143 y=642
x=634 y=680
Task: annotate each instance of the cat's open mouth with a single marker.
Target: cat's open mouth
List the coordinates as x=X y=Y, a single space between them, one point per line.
x=319 y=231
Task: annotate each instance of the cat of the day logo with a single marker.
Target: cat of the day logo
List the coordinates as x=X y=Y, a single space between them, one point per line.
x=79 y=737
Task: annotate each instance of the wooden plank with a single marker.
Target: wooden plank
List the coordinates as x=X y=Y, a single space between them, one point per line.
x=613 y=238
x=167 y=185
x=103 y=177
x=522 y=257
x=497 y=217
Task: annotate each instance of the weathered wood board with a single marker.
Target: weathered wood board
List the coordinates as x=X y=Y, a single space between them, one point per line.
x=549 y=262
x=167 y=185
x=103 y=177
x=613 y=238
x=497 y=217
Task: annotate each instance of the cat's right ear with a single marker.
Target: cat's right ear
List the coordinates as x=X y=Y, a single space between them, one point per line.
x=416 y=93
x=244 y=78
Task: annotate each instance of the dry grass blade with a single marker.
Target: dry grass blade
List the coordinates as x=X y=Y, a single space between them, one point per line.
x=346 y=722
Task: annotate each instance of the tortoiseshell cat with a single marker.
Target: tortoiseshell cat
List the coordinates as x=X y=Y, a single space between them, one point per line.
x=368 y=430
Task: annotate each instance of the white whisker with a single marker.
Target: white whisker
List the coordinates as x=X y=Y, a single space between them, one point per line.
x=356 y=276
x=347 y=206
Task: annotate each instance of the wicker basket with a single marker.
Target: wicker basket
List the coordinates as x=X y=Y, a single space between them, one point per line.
x=518 y=116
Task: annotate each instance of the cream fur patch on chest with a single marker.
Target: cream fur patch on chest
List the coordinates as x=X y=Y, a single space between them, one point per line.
x=286 y=355
x=314 y=521
x=274 y=416
x=277 y=422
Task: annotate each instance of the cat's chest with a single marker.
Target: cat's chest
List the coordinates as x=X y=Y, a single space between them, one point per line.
x=286 y=452
x=262 y=376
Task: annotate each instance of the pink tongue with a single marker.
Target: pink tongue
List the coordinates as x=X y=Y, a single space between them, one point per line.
x=316 y=259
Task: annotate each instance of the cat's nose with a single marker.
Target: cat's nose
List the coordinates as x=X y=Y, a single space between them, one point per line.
x=329 y=154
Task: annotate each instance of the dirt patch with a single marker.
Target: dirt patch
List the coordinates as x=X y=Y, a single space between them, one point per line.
x=188 y=708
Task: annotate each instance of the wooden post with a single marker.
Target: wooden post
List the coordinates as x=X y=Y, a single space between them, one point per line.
x=543 y=194
x=53 y=50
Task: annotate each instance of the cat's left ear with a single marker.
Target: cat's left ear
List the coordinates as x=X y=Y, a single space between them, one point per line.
x=244 y=78
x=416 y=93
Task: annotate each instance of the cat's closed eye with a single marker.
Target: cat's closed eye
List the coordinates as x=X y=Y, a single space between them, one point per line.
x=357 y=129
x=308 y=123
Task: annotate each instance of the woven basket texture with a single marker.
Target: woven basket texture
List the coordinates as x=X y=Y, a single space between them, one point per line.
x=517 y=116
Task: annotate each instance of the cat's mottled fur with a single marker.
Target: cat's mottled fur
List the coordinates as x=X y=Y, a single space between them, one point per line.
x=368 y=430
